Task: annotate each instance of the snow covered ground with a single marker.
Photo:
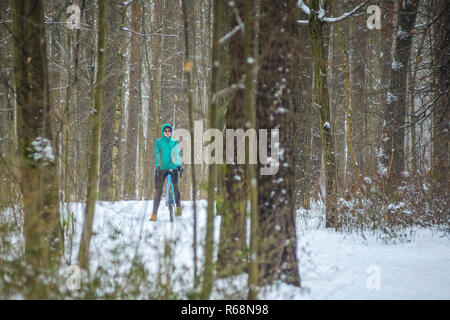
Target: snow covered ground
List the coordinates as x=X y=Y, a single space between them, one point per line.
x=333 y=265
x=338 y=265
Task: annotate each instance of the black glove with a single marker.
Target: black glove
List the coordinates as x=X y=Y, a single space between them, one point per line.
x=180 y=169
x=157 y=171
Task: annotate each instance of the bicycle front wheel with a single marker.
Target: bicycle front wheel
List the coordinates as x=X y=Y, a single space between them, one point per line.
x=171 y=211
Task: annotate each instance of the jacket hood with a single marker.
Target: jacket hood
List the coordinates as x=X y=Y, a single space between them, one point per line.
x=162 y=130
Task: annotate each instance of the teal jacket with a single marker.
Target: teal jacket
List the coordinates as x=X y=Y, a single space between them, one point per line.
x=167 y=153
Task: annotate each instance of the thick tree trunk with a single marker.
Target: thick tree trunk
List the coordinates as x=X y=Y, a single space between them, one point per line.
x=387 y=34
x=117 y=174
x=441 y=114
x=234 y=215
x=133 y=107
x=106 y=191
x=39 y=187
x=395 y=112
x=375 y=90
x=274 y=104
x=8 y=144
x=358 y=105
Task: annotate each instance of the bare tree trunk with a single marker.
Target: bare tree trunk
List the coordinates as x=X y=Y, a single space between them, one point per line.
x=149 y=159
x=140 y=134
x=248 y=34
x=133 y=107
x=188 y=69
x=8 y=189
x=274 y=104
x=375 y=90
x=93 y=177
x=358 y=105
x=208 y=276
x=114 y=43
x=441 y=116
x=78 y=158
x=43 y=244
x=387 y=40
x=395 y=112
x=348 y=113
x=302 y=103
x=322 y=104
x=231 y=257
x=117 y=180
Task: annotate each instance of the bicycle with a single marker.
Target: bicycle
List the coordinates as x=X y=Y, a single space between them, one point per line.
x=170 y=193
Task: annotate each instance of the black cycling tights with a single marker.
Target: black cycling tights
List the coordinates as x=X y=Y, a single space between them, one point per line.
x=159 y=184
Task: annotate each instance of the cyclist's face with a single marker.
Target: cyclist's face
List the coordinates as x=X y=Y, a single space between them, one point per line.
x=167 y=132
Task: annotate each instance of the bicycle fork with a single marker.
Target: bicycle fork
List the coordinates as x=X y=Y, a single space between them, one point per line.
x=169 y=185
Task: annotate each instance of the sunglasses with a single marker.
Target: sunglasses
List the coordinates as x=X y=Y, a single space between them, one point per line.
x=167 y=130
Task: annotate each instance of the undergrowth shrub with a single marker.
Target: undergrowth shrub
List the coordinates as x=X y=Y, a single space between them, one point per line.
x=394 y=217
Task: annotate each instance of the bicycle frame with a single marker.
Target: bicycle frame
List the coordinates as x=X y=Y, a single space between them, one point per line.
x=169 y=185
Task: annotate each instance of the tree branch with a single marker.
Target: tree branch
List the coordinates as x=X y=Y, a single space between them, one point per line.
x=345 y=15
x=321 y=13
x=304 y=7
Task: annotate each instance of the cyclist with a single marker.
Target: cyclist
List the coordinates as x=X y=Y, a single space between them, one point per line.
x=167 y=156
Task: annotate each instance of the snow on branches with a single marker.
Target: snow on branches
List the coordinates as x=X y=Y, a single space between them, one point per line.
x=321 y=13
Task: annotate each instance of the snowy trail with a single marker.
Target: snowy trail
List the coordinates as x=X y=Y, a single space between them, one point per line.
x=415 y=270
x=333 y=265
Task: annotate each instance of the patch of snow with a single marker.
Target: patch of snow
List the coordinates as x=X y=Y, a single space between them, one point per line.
x=42 y=150
x=391 y=98
x=396 y=65
x=304 y=7
x=402 y=35
x=281 y=110
x=393 y=207
x=332 y=265
x=382 y=170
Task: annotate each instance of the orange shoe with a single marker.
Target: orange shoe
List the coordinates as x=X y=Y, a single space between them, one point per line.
x=153 y=217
